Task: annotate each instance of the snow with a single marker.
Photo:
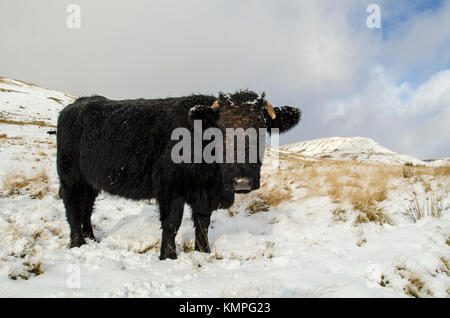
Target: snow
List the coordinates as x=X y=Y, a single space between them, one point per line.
x=359 y=149
x=295 y=249
x=21 y=100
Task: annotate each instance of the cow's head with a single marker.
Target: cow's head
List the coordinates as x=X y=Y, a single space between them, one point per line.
x=243 y=113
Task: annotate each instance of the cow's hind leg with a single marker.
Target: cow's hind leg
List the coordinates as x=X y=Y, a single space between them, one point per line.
x=88 y=205
x=73 y=199
x=171 y=213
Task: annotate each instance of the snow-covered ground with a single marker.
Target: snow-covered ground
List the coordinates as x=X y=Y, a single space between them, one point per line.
x=297 y=237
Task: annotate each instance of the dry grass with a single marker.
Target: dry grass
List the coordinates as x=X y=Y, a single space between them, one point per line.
x=369 y=212
x=4 y=90
x=9 y=81
x=27 y=270
x=446 y=266
x=339 y=215
x=361 y=184
x=441 y=171
x=273 y=196
x=5 y=120
x=250 y=203
x=23 y=123
x=59 y=101
x=426 y=206
x=256 y=206
x=420 y=171
x=34 y=268
x=153 y=246
x=415 y=286
x=188 y=245
x=16 y=140
x=408 y=172
x=36 y=185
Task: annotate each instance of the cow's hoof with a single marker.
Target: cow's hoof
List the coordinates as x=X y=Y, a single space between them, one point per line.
x=77 y=242
x=203 y=249
x=90 y=236
x=164 y=256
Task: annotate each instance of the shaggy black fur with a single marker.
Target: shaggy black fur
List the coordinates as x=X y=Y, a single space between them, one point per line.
x=287 y=118
x=124 y=148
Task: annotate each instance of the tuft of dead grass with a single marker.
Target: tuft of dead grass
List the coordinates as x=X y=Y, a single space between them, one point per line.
x=415 y=286
x=251 y=203
x=59 y=101
x=3 y=138
x=34 y=268
x=258 y=205
x=425 y=206
x=407 y=172
x=188 y=245
x=370 y=213
x=27 y=270
x=339 y=215
x=36 y=185
x=4 y=90
x=277 y=194
x=446 y=266
x=154 y=246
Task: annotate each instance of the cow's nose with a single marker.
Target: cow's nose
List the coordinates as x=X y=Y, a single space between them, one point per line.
x=242 y=184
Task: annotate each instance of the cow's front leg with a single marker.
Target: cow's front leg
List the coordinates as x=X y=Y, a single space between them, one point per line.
x=201 y=223
x=171 y=215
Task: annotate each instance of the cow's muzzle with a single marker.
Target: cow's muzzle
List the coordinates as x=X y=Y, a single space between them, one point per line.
x=242 y=185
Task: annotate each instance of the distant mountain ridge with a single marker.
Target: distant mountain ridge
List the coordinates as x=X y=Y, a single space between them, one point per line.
x=358 y=149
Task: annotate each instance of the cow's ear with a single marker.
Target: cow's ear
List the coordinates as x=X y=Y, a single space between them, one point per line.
x=287 y=117
x=204 y=113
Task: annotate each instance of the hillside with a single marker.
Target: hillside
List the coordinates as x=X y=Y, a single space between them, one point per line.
x=354 y=148
x=26 y=102
x=318 y=227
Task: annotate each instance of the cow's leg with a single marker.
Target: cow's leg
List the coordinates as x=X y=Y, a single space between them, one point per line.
x=201 y=224
x=73 y=202
x=88 y=202
x=171 y=213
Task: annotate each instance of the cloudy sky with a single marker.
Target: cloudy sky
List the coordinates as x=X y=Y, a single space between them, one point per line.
x=390 y=84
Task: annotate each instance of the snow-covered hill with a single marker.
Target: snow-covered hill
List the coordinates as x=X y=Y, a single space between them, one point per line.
x=350 y=148
x=26 y=102
x=316 y=228
x=438 y=162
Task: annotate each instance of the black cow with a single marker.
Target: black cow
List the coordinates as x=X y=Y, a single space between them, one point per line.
x=124 y=148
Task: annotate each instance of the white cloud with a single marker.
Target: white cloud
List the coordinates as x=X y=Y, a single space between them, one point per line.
x=409 y=121
x=420 y=43
x=432 y=96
